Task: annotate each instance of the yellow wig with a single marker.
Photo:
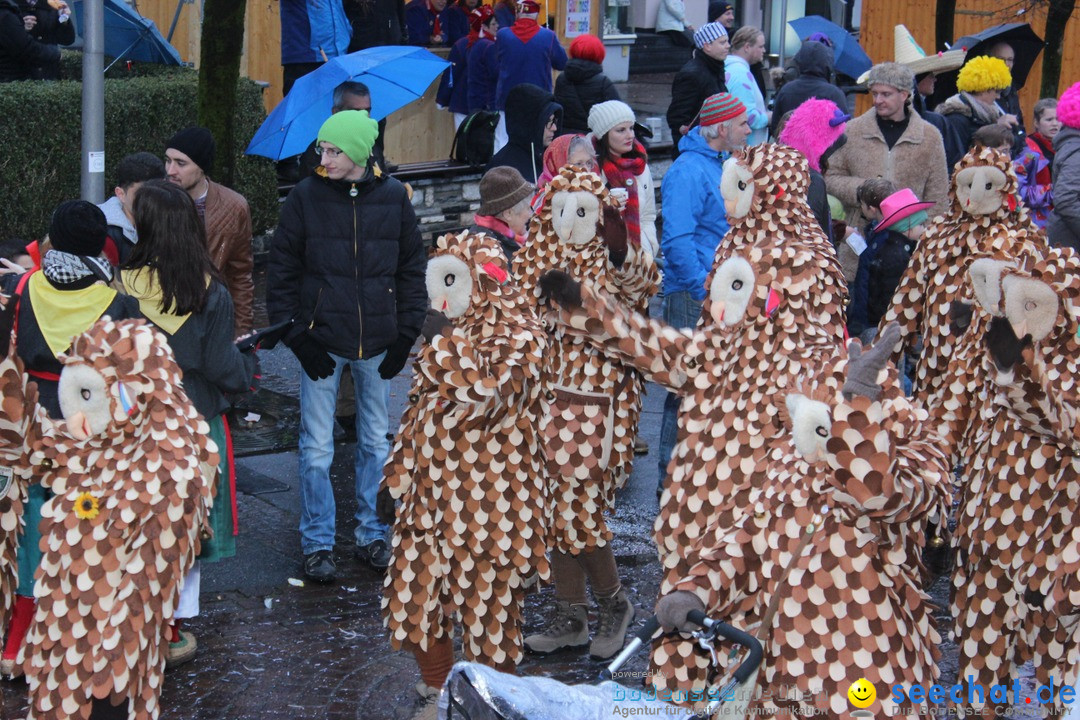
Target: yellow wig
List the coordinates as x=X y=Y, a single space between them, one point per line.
x=983 y=73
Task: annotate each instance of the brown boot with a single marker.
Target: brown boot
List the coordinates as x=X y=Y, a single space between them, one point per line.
x=568 y=629
x=616 y=614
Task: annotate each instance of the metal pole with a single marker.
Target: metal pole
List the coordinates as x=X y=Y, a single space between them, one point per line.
x=93 y=102
x=783 y=32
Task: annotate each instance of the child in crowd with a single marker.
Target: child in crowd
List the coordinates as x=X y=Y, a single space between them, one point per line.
x=884 y=258
x=993 y=136
x=1035 y=160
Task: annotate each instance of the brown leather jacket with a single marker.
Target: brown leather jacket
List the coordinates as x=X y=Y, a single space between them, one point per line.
x=228 y=238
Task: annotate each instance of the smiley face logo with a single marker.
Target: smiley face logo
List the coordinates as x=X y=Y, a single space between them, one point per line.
x=861 y=694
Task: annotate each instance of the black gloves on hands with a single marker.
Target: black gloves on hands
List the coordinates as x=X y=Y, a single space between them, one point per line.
x=316 y=362
x=672 y=610
x=1005 y=347
x=396 y=357
x=385 y=510
x=560 y=287
x=959 y=317
x=864 y=367
x=615 y=235
x=434 y=324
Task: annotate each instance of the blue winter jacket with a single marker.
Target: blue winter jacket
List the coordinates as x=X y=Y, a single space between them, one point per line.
x=482 y=71
x=457 y=23
x=310 y=28
x=529 y=62
x=420 y=22
x=453 y=89
x=694 y=218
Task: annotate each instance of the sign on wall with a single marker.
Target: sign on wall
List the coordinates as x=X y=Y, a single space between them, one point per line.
x=577 y=17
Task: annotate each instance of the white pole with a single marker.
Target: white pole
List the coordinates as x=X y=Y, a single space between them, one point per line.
x=93 y=102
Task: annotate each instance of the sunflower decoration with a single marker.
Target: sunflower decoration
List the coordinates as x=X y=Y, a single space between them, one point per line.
x=86 y=506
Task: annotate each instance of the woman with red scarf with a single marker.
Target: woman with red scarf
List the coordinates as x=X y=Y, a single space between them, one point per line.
x=624 y=165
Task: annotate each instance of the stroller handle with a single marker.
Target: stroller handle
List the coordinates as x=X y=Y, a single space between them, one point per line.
x=641 y=637
x=753 y=659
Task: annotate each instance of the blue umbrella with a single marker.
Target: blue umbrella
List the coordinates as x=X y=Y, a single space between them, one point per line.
x=130 y=36
x=396 y=76
x=848 y=56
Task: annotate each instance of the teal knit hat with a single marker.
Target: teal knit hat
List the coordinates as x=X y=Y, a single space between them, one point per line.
x=353 y=132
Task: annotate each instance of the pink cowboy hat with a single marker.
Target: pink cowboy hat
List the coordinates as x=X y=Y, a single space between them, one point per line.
x=901 y=204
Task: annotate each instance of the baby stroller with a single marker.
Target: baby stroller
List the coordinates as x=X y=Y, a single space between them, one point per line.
x=476 y=692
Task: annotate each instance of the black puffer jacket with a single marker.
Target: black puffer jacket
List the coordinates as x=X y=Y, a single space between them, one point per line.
x=699 y=78
x=49 y=31
x=814 y=62
x=376 y=23
x=350 y=270
x=20 y=53
x=579 y=87
x=528 y=108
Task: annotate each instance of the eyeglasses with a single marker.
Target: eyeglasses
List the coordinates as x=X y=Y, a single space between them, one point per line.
x=331 y=153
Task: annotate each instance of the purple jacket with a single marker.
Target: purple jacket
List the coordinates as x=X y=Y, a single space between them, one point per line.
x=526 y=62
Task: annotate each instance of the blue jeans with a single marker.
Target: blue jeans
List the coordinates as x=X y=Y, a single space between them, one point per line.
x=318 y=399
x=680 y=311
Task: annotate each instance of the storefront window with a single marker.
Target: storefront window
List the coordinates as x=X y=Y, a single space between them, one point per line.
x=617 y=18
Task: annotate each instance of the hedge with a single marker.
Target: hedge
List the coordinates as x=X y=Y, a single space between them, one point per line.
x=41 y=123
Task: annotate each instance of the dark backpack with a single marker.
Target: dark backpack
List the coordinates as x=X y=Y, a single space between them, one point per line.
x=474 y=142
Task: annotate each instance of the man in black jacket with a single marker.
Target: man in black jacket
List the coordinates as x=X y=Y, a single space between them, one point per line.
x=533 y=119
x=347 y=266
x=21 y=54
x=699 y=79
x=814 y=61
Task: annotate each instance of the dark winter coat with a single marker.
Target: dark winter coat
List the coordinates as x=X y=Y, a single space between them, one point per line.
x=310 y=29
x=582 y=85
x=963 y=119
x=482 y=75
x=348 y=270
x=1009 y=101
x=817 y=197
x=699 y=78
x=918 y=104
x=457 y=23
x=209 y=360
x=526 y=62
x=376 y=23
x=1063 y=228
x=21 y=54
x=527 y=111
x=50 y=31
x=814 y=62
x=453 y=90
x=881 y=266
x=420 y=22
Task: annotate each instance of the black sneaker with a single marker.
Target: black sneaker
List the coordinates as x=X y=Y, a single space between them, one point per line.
x=375 y=554
x=319 y=566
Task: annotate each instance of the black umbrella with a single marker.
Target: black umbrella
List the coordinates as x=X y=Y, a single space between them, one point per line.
x=1025 y=44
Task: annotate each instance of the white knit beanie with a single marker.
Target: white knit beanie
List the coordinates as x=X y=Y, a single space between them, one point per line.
x=607 y=115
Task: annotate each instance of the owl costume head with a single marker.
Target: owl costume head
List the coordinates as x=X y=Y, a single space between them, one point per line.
x=984 y=187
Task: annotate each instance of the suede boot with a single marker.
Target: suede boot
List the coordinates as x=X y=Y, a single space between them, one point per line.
x=616 y=614
x=568 y=629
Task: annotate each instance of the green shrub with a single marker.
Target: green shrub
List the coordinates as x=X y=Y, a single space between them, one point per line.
x=41 y=123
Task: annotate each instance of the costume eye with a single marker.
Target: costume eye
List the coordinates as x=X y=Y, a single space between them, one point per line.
x=822 y=432
x=989 y=186
x=736 y=285
x=449 y=280
x=581 y=212
x=85 y=394
x=742 y=185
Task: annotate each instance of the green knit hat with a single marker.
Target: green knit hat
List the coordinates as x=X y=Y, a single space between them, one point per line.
x=353 y=132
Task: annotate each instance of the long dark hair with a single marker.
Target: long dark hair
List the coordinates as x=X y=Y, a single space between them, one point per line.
x=603 y=150
x=172 y=244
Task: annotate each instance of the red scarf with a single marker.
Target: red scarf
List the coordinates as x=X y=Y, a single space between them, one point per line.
x=525 y=29
x=436 y=29
x=622 y=173
x=493 y=223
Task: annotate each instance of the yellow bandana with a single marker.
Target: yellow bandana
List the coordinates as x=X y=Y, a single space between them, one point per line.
x=142 y=284
x=69 y=312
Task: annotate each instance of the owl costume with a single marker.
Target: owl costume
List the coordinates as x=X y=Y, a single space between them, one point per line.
x=594 y=401
x=131 y=470
x=468 y=464
x=774 y=308
x=1015 y=541
x=822 y=560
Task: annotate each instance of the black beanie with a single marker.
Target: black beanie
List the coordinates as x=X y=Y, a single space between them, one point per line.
x=78 y=227
x=198 y=144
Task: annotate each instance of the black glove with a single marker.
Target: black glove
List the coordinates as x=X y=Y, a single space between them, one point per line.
x=672 y=610
x=396 y=357
x=959 y=317
x=1004 y=346
x=560 y=287
x=863 y=367
x=614 y=233
x=385 y=509
x=1035 y=599
x=434 y=324
x=316 y=362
